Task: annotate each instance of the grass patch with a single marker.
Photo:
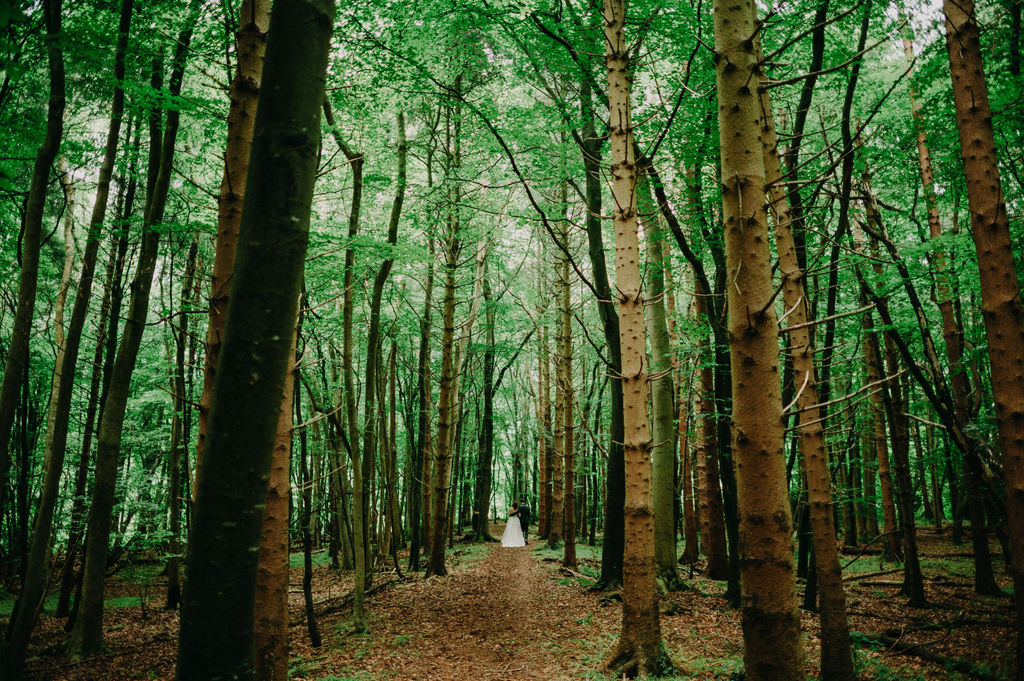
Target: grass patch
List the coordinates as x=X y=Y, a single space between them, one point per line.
x=50 y=604
x=320 y=559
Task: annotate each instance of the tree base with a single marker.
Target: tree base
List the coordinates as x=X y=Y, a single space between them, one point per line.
x=669 y=580
x=632 y=661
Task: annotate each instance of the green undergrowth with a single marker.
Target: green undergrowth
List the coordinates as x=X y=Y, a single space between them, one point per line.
x=320 y=558
x=153 y=601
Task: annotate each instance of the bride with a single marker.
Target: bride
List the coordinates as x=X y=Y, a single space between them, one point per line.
x=513 y=536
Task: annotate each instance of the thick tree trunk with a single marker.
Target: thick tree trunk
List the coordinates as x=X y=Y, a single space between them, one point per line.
x=217 y=612
x=771 y=623
x=270 y=617
x=251 y=44
x=1001 y=302
x=836 y=657
x=640 y=650
x=31 y=238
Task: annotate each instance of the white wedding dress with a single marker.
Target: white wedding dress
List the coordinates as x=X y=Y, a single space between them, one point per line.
x=513 y=536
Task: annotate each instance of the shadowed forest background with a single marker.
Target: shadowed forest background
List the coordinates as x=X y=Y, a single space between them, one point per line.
x=299 y=299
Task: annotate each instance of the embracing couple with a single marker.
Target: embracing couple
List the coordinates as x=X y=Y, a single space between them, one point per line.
x=518 y=527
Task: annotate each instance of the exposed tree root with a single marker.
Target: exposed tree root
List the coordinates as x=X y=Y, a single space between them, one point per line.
x=632 y=661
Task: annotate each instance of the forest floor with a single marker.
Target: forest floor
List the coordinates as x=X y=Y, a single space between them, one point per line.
x=515 y=614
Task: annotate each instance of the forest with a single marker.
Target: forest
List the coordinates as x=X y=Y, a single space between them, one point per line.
x=304 y=303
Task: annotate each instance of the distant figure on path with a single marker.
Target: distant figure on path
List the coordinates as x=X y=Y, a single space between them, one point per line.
x=513 y=536
x=524 y=518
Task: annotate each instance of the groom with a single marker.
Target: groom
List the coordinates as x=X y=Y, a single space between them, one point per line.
x=524 y=518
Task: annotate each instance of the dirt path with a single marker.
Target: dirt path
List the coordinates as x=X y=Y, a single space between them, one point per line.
x=499 y=614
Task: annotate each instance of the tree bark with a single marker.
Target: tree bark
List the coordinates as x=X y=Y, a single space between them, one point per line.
x=216 y=639
x=640 y=650
x=178 y=436
x=1000 y=293
x=836 y=657
x=270 y=617
x=243 y=94
x=771 y=623
x=419 y=499
x=663 y=431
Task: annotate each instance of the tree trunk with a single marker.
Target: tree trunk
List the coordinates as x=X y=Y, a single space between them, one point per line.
x=545 y=437
x=485 y=460
x=984 y=580
x=447 y=401
x=612 y=547
x=559 y=444
x=178 y=438
x=712 y=512
x=419 y=482
x=1000 y=298
x=87 y=635
x=771 y=623
x=216 y=639
x=836 y=657
x=243 y=94
x=270 y=618
x=640 y=650
x=307 y=505
x=566 y=397
x=872 y=354
x=663 y=396
x=31 y=238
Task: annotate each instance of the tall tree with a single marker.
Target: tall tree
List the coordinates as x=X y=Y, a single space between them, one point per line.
x=243 y=97
x=836 y=657
x=31 y=237
x=640 y=650
x=662 y=395
x=771 y=623
x=1001 y=305
x=216 y=639
x=87 y=635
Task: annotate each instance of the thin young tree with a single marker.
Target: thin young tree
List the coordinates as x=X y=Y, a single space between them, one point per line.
x=87 y=635
x=31 y=239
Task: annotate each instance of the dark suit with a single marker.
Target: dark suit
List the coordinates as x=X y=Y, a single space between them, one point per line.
x=524 y=519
